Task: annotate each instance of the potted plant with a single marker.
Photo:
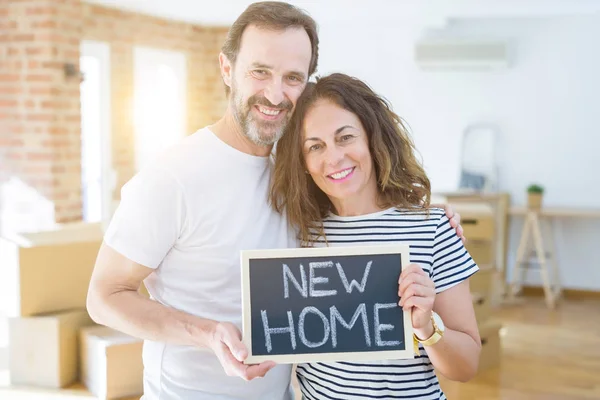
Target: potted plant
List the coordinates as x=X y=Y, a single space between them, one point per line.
x=535 y=193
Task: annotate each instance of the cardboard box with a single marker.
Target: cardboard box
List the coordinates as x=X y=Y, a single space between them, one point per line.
x=477 y=220
x=478 y=227
x=143 y=291
x=111 y=363
x=481 y=282
x=44 y=351
x=483 y=310
x=47 y=272
x=482 y=251
x=491 y=346
x=295 y=384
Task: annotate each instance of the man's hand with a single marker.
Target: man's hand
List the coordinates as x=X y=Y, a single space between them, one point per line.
x=454 y=219
x=231 y=352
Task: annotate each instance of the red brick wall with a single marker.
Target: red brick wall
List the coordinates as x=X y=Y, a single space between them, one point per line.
x=39 y=106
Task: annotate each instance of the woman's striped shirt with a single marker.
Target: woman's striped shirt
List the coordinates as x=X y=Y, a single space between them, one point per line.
x=440 y=252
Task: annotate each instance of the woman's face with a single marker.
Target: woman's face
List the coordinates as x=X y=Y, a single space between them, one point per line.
x=336 y=151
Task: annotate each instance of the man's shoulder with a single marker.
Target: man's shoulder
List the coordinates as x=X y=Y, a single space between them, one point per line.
x=187 y=155
x=179 y=164
x=191 y=146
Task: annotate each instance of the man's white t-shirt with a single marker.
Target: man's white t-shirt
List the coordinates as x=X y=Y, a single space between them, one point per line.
x=188 y=216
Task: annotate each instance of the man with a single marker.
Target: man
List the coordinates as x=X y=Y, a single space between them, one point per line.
x=183 y=221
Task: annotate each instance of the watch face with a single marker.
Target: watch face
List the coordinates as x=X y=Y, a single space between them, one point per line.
x=439 y=322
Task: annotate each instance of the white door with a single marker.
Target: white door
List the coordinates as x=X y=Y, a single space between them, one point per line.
x=159 y=101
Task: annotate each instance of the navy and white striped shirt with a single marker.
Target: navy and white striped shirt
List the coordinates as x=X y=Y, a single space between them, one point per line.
x=435 y=246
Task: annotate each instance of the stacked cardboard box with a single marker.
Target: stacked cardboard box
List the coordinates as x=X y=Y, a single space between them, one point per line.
x=43 y=349
x=479 y=226
x=45 y=281
x=45 y=272
x=111 y=363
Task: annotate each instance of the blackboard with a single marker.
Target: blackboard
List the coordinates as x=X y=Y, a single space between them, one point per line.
x=324 y=304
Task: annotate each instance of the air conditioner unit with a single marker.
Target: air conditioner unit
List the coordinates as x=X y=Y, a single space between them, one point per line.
x=454 y=54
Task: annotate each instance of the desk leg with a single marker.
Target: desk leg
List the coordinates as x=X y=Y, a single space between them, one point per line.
x=552 y=225
x=519 y=272
x=502 y=225
x=541 y=255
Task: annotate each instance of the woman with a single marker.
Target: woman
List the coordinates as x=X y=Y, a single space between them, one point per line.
x=346 y=174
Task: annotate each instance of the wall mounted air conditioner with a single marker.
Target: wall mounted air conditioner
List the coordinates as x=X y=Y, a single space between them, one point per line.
x=455 y=54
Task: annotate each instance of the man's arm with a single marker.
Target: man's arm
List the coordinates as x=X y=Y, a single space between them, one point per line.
x=113 y=300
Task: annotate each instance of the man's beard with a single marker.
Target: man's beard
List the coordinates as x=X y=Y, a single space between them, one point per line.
x=261 y=133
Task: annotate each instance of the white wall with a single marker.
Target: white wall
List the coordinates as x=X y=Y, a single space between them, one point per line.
x=546 y=105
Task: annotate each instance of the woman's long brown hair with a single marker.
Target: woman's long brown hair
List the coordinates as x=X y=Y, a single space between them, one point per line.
x=401 y=179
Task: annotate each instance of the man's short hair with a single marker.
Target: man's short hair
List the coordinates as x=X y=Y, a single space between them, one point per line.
x=272 y=15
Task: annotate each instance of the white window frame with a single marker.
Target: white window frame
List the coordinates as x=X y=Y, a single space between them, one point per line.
x=101 y=51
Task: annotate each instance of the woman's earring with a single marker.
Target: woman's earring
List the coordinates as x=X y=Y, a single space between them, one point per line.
x=306 y=172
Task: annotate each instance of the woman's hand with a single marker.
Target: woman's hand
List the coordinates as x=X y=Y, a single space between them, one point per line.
x=417 y=293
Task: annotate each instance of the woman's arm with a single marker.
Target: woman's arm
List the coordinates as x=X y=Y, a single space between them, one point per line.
x=456 y=355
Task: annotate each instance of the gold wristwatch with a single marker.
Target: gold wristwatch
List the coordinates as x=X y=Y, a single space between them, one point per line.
x=438 y=333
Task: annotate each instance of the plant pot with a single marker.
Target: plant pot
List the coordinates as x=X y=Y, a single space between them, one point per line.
x=534 y=200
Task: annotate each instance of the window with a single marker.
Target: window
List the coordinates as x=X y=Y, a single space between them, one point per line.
x=97 y=181
x=159 y=101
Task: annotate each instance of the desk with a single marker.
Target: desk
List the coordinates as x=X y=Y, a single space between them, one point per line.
x=532 y=229
x=559 y=212
x=500 y=203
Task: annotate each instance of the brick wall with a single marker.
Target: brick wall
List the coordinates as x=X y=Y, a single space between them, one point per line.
x=39 y=106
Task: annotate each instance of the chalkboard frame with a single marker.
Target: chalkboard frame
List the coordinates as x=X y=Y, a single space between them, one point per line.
x=247 y=255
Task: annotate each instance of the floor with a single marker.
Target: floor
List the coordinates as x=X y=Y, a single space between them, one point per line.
x=547 y=355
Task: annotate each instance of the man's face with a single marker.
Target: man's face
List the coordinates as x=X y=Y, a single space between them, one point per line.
x=269 y=75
